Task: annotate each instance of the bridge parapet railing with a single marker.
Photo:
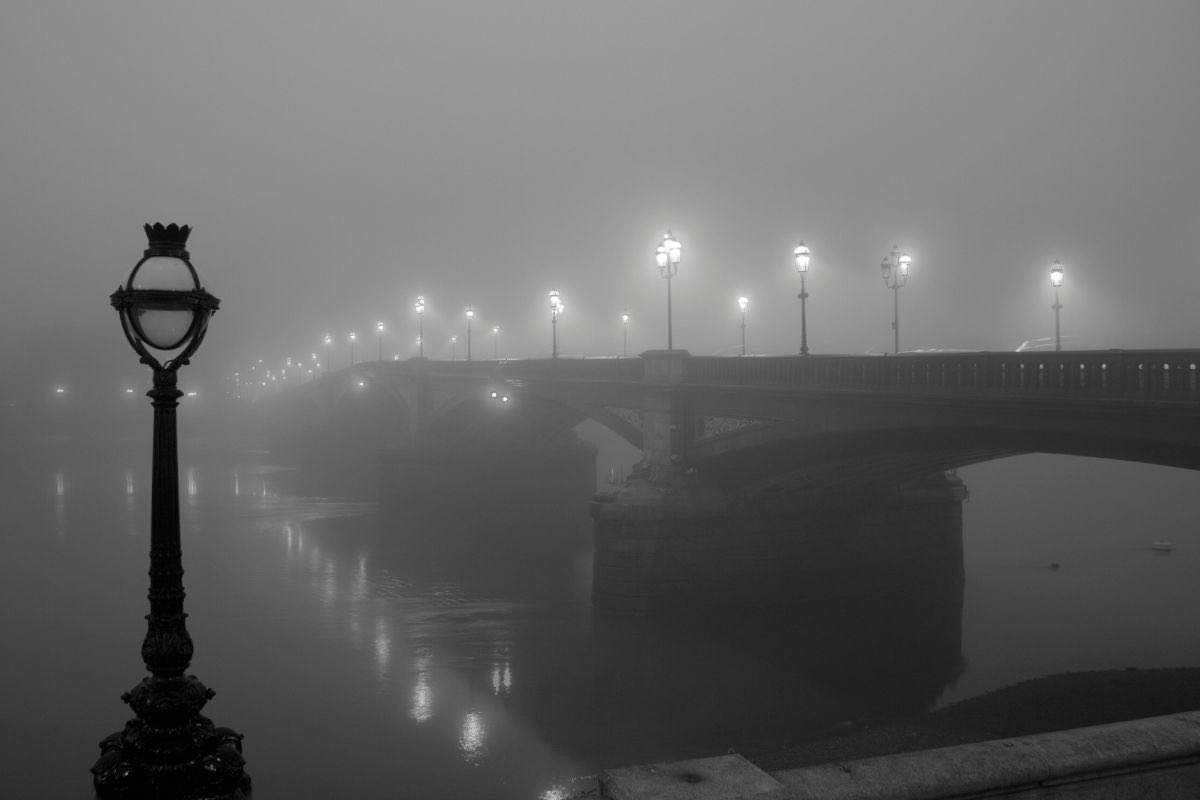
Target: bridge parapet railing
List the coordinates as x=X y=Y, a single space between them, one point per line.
x=1143 y=374
x=623 y=369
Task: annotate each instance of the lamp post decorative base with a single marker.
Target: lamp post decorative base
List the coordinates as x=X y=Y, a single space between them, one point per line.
x=170 y=750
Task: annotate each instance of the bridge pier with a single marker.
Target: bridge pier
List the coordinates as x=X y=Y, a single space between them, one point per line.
x=669 y=543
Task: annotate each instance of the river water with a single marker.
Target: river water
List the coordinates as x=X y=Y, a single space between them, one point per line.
x=355 y=667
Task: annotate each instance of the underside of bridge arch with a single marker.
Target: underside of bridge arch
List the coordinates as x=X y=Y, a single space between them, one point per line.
x=882 y=456
x=526 y=420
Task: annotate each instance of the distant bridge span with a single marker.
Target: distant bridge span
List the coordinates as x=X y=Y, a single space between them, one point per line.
x=813 y=420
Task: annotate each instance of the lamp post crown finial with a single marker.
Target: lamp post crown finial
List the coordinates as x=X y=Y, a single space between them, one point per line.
x=167 y=240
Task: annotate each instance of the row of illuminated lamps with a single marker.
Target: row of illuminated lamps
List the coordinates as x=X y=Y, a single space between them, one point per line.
x=896 y=266
x=63 y=391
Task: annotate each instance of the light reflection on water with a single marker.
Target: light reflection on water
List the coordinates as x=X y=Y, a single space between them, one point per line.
x=471 y=741
x=472 y=689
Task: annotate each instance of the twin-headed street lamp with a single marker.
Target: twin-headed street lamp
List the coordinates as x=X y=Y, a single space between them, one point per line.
x=802 y=256
x=895 y=268
x=742 y=303
x=556 y=308
x=419 y=306
x=169 y=750
x=667 y=257
x=1056 y=279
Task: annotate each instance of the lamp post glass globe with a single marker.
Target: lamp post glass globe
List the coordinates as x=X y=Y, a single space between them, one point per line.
x=802 y=256
x=1056 y=274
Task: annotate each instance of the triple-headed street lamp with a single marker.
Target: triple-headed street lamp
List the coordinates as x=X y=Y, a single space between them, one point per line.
x=803 y=256
x=169 y=750
x=667 y=256
x=420 y=308
x=742 y=303
x=1056 y=279
x=556 y=308
x=895 y=268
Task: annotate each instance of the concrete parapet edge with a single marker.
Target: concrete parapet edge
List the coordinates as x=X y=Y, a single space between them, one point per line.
x=1154 y=757
x=1004 y=767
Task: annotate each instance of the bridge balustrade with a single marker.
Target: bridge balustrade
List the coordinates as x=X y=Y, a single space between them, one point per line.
x=1146 y=375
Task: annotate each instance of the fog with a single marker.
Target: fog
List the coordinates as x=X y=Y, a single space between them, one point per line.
x=336 y=161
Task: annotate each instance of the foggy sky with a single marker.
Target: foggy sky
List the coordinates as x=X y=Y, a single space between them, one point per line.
x=337 y=159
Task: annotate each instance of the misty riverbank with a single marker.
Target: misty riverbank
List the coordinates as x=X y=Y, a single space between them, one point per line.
x=1055 y=702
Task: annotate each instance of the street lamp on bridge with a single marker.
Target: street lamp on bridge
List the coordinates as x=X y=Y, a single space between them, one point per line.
x=353 y=339
x=328 y=350
x=895 y=268
x=667 y=257
x=495 y=342
x=470 y=316
x=1056 y=279
x=420 y=308
x=169 y=750
x=453 y=347
x=803 y=256
x=379 y=330
x=624 y=333
x=742 y=303
x=556 y=308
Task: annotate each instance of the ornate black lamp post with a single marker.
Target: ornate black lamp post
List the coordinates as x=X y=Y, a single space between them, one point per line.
x=895 y=266
x=556 y=308
x=803 y=256
x=667 y=257
x=1056 y=279
x=419 y=306
x=742 y=303
x=169 y=750
x=470 y=316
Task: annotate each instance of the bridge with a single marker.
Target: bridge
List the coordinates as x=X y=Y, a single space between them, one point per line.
x=727 y=437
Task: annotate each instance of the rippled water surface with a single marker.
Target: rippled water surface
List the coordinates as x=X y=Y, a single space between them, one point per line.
x=361 y=663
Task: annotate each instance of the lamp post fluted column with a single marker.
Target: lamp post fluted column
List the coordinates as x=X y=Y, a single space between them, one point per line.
x=895 y=266
x=169 y=749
